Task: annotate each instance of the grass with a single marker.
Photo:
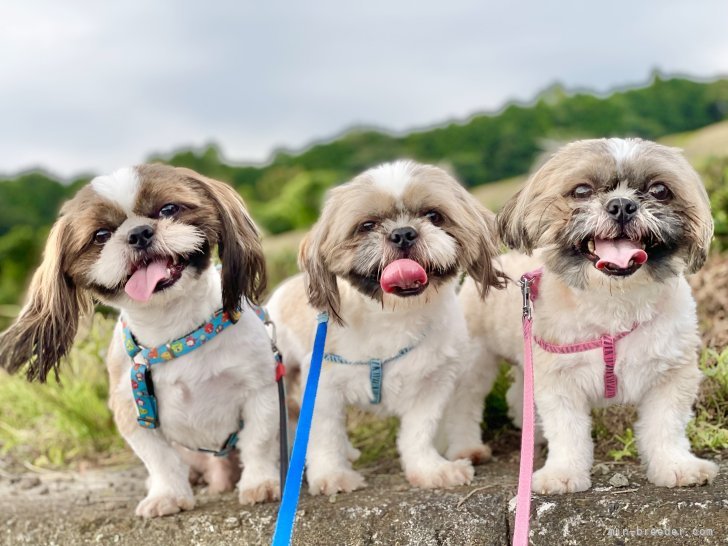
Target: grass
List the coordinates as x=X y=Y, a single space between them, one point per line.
x=56 y=424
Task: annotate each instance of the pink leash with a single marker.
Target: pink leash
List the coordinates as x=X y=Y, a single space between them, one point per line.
x=529 y=289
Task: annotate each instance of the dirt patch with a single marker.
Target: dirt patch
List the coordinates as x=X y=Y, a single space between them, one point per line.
x=710 y=287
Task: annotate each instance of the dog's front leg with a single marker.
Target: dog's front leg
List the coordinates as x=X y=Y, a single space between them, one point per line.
x=329 y=451
x=566 y=418
x=663 y=415
x=423 y=465
x=258 y=446
x=168 y=485
x=464 y=413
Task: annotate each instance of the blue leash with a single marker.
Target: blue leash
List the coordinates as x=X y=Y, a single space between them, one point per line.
x=292 y=489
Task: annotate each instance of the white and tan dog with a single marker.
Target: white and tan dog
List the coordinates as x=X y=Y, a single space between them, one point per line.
x=141 y=240
x=383 y=261
x=615 y=224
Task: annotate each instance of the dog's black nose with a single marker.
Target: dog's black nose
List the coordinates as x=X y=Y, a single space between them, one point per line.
x=141 y=237
x=403 y=237
x=622 y=209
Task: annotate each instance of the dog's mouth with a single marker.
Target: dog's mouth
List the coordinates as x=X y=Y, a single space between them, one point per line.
x=153 y=275
x=618 y=257
x=404 y=278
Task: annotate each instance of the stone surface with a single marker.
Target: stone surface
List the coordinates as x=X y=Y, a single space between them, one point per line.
x=96 y=507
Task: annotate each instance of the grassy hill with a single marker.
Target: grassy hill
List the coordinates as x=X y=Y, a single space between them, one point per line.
x=700 y=146
x=285 y=194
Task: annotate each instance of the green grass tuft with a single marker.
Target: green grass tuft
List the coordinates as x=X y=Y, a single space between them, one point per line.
x=55 y=424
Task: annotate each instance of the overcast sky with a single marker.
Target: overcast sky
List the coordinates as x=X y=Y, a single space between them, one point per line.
x=91 y=86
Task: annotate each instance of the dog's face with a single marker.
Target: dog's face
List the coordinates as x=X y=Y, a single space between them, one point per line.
x=138 y=238
x=610 y=208
x=398 y=211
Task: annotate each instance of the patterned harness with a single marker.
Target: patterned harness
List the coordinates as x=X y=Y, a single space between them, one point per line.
x=145 y=357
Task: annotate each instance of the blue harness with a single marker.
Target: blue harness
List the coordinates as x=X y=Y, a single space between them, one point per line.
x=144 y=358
x=375 y=368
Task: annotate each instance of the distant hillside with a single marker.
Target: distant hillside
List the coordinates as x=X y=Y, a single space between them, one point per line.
x=285 y=194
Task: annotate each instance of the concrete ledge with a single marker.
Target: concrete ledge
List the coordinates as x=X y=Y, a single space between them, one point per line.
x=97 y=508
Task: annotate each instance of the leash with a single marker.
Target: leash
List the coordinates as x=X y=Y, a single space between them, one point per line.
x=292 y=490
x=529 y=284
x=263 y=315
x=523 y=496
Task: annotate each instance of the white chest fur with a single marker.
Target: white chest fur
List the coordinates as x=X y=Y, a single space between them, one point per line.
x=201 y=395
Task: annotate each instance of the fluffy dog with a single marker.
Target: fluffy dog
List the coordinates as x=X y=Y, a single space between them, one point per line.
x=141 y=240
x=383 y=261
x=616 y=225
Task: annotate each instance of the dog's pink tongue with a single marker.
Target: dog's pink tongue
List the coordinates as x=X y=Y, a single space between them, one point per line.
x=142 y=283
x=402 y=274
x=618 y=252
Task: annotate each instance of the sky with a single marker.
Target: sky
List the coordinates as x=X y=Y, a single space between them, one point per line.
x=88 y=86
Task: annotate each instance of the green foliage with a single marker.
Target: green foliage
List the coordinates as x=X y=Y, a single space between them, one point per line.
x=285 y=194
x=628 y=449
x=715 y=176
x=709 y=429
x=54 y=424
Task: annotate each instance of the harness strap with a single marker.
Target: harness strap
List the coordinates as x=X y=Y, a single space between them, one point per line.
x=376 y=372
x=143 y=386
x=609 y=354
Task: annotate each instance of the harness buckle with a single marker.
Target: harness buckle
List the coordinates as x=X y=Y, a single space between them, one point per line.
x=525 y=284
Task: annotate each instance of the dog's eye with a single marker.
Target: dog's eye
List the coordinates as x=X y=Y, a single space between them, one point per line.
x=582 y=191
x=366 y=226
x=101 y=236
x=168 y=210
x=434 y=217
x=659 y=191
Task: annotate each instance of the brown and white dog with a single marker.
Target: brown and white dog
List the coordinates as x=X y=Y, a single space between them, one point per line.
x=383 y=261
x=616 y=225
x=141 y=240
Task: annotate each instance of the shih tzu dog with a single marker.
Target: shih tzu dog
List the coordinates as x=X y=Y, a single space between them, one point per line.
x=383 y=261
x=615 y=224
x=141 y=240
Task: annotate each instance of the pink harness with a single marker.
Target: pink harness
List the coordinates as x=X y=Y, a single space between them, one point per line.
x=529 y=289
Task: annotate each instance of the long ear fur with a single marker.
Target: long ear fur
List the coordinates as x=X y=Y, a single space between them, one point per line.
x=511 y=227
x=321 y=286
x=479 y=256
x=239 y=246
x=44 y=332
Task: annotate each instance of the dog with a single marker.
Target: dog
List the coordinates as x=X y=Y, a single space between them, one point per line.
x=383 y=261
x=616 y=224
x=141 y=240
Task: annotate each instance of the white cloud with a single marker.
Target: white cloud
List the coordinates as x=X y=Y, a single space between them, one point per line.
x=92 y=86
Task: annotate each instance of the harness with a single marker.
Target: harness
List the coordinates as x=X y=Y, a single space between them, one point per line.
x=375 y=368
x=529 y=290
x=145 y=357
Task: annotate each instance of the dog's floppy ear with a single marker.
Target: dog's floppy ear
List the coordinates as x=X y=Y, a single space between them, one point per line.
x=699 y=220
x=321 y=286
x=511 y=224
x=44 y=332
x=239 y=246
x=479 y=244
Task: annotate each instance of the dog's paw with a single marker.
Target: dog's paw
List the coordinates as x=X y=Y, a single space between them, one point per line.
x=265 y=491
x=478 y=454
x=443 y=475
x=154 y=506
x=681 y=472
x=341 y=481
x=556 y=481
